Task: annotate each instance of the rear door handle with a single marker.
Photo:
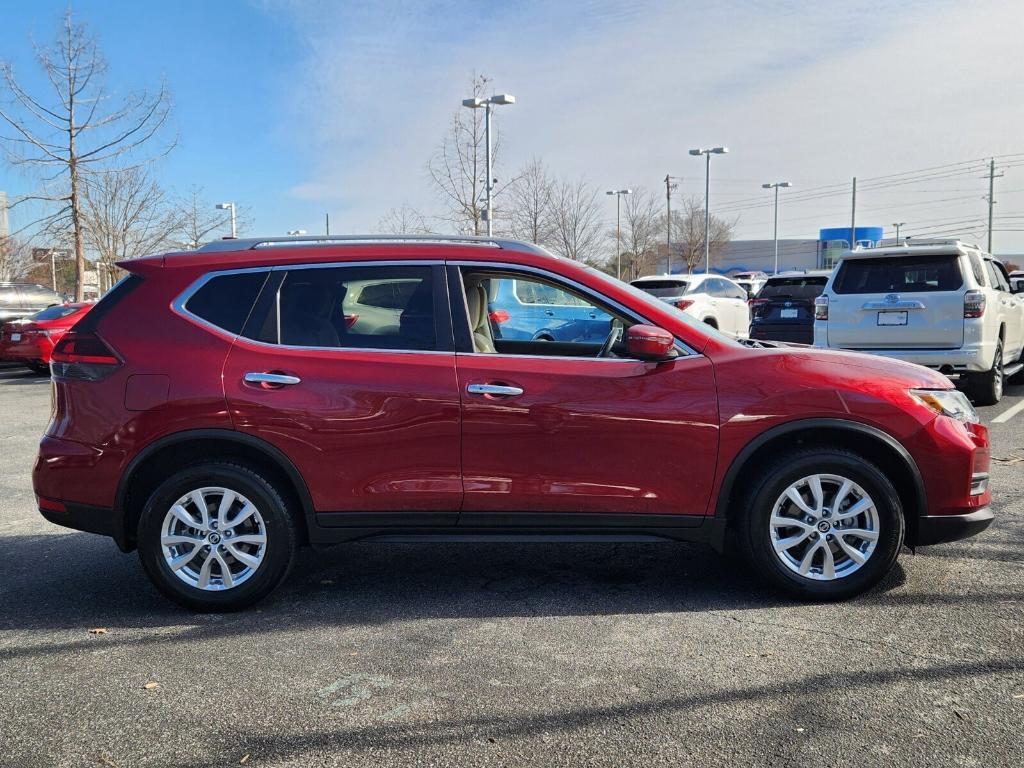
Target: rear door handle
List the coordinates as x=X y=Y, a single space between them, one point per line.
x=280 y=379
x=493 y=389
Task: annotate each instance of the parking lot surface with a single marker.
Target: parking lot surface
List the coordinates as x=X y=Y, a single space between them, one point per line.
x=498 y=654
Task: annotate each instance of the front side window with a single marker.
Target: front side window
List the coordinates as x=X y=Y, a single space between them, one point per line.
x=357 y=307
x=996 y=278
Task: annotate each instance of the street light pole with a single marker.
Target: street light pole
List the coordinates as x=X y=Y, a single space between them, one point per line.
x=898 y=224
x=618 y=228
x=707 y=198
x=476 y=103
x=775 y=237
x=229 y=207
x=669 y=186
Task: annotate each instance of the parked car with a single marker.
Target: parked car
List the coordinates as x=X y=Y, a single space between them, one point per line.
x=531 y=310
x=31 y=340
x=217 y=409
x=942 y=303
x=1017 y=281
x=712 y=299
x=783 y=310
x=752 y=286
x=18 y=300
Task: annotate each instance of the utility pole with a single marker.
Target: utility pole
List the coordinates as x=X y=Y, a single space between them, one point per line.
x=669 y=186
x=991 y=198
x=853 y=217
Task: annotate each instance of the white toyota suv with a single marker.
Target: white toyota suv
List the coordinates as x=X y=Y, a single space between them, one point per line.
x=941 y=303
x=712 y=299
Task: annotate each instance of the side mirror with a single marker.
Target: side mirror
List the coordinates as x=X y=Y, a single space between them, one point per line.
x=648 y=342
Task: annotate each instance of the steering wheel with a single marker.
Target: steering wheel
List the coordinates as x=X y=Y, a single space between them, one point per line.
x=612 y=339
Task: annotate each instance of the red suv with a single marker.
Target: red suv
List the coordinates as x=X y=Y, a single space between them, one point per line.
x=218 y=408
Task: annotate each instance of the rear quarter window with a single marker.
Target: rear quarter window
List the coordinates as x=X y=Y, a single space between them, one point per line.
x=899 y=274
x=226 y=300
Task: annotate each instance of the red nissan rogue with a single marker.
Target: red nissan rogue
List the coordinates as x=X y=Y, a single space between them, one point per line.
x=220 y=407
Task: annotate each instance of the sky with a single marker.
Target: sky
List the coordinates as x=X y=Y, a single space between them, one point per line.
x=298 y=108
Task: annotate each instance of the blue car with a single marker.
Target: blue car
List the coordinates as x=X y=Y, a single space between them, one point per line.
x=532 y=311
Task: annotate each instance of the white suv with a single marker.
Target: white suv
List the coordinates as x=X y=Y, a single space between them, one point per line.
x=712 y=299
x=943 y=304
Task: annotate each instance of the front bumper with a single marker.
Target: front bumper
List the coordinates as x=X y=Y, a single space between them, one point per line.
x=940 y=529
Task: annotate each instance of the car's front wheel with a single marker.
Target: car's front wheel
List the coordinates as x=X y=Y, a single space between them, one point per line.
x=216 y=536
x=821 y=524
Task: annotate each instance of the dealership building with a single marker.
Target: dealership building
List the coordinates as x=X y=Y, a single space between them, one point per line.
x=820 y=253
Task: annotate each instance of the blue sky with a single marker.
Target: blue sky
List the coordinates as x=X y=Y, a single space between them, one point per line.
x=299 y=107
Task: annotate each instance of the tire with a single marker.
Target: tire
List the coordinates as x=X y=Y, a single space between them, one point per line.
x=987 y=388
x=258 y=566
x=757 y=536
x=39 y=368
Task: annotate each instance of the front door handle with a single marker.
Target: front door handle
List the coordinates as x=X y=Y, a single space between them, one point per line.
x=278 y=379
x=493 y=389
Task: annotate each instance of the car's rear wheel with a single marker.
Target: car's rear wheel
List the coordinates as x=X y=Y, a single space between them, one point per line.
x=987 y=388
x=821 y=524
x=216 y=536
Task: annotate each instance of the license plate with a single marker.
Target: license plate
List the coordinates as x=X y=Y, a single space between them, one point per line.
x=892 y=318
x=788 y=313
x=15 y=337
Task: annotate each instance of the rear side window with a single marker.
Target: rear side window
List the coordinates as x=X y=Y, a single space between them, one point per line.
x=358 y=307
x=793 y=288
x=226 y=300
x=662 y=288
x=899 y=274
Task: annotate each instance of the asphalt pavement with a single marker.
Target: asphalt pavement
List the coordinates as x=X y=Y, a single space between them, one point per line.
x=506 y=655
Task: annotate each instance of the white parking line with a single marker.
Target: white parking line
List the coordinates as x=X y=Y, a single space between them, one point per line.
x=1009 y=413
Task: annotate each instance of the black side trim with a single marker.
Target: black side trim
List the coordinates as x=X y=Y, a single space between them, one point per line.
x=384 y=519
x=725 y=493
x=120 y=533
x=578 y=520
x=939 y=529
x=83 y=517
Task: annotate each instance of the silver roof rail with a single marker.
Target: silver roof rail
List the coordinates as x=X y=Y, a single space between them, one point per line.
x=251 y=243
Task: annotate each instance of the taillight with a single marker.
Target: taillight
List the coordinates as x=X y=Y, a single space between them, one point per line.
x=974 y=304
x=821 y=308
x=499 y=315
x=683 y=303
x=350 y=320
x=83 y=356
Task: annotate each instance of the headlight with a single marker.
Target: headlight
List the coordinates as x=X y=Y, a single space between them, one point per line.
x=948 y=402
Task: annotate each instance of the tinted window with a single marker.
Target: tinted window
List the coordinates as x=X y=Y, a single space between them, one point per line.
x=977 y=269
x=53 y=313
x=355 y=307
x=732 y=291
x=793 y=288
x=899 y=274
x=662 y=288
x=225 y=301
x=995 y=277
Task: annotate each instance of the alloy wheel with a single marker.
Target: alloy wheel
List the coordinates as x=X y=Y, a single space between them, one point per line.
x=824 y=527
x=213 y=538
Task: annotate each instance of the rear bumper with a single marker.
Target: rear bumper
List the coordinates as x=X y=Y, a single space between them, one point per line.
x=939 y=529
x=793 y=333
x=82 y=517
x=973 y=358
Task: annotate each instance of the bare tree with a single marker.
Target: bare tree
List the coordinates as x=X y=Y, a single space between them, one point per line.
x=126 y=214
x=74 y=131
x=198 y=219
x=688 y=233
x=459 y=166
x=639 y=231
x=15 y=258
x=404 y=221
x=529 y=204
x=576 y=221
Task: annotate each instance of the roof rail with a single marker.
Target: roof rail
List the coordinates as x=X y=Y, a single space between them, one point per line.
x=932 y=241
x=251 y=243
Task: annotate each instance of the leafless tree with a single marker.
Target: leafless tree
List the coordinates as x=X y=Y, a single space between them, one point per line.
x=404 y=221
x=688 y=233
x=198 y=219
x=576 y=221
x=639 y=232
x=529 y=204
x=15 y=258
x=74 y=131
x=459 y=166
x=126 y=214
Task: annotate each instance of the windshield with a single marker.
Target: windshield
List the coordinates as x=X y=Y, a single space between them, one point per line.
x=648 y=300
x=663 y=289
x=55 y=312
x=793 y=288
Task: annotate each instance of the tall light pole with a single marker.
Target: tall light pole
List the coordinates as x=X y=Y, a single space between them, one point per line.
x=670 y=184
x=707 y=199
x=229 y=207
x=898 y=224
x=775 y=185
x=618 y=227
x=476 y=103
